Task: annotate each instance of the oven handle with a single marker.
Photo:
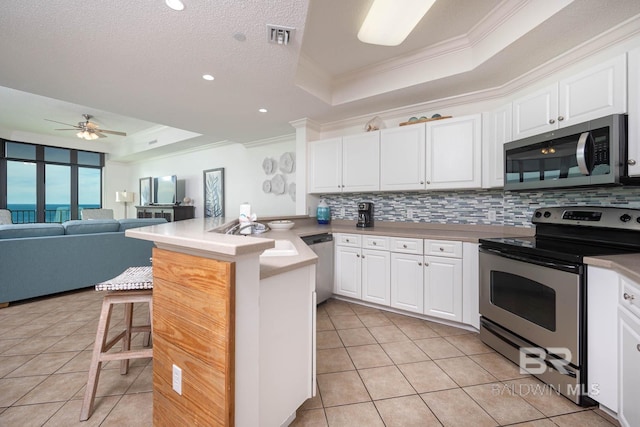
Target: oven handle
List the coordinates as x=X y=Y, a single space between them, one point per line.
x=572 y=268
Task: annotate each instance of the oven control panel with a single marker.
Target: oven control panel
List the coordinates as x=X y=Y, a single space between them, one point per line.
x=589 y=216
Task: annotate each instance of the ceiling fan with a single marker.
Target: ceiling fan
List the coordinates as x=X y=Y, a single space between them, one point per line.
x=89 y=130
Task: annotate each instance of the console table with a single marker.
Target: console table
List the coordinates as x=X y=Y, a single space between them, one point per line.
x=169 y=212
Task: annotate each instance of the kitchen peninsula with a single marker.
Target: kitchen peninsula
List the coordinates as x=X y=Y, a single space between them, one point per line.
x=234 y=331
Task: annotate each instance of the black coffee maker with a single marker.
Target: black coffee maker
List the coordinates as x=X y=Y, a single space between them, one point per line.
x=365 y=214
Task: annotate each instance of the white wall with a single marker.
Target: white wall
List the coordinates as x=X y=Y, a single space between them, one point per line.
x=243 y=175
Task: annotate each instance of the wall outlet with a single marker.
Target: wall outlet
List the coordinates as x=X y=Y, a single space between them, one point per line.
x=491 y=215
x=177 y=380
x=409 y=213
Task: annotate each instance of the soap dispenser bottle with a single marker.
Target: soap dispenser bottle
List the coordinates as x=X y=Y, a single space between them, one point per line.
x=323 y=212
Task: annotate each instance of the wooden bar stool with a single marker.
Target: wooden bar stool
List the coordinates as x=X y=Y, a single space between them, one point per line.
x=134 y=285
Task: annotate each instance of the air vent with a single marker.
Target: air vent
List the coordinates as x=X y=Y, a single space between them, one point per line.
x=279 y=35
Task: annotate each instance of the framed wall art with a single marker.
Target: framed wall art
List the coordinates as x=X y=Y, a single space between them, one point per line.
x=145 y=191
x=213 y=192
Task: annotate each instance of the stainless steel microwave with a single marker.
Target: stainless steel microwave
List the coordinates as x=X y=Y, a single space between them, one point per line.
x=589 y=153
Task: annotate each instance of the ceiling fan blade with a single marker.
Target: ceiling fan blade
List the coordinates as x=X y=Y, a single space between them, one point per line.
x=99 y=134
x=112 y=132
x=66 y=129
x=66 y=124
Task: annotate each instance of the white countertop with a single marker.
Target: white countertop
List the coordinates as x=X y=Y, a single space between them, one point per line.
x=199 y=236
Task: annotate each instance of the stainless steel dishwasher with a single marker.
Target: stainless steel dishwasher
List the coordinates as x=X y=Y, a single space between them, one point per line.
x=322 y=245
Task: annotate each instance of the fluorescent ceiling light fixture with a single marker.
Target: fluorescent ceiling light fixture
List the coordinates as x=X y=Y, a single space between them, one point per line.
x=389 y=22
x=262 y=110
x=175 y=4
x=208 y=77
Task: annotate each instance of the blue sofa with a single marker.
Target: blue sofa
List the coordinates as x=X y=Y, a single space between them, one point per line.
x=44 y=259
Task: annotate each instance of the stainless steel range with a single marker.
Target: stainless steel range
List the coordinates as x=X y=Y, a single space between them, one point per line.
x=533 y=290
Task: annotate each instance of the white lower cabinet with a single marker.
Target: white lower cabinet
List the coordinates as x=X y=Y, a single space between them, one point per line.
x=443 y=287
x=362 y=273
x=422 y=276
x=376 y=276
x=348 y=272
x=629 y=353
x=407 y=282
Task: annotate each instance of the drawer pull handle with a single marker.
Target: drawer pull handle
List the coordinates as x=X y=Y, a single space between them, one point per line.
x=629 y=297
x=374 y=243
x=441 y=249
x=420 y=264
x=404 y=246
x=638 y=347
x=358 y=255
x=426 y=264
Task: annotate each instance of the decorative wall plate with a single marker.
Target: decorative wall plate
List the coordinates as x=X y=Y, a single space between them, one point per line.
x=269 y=166
x=287 y=162
x=266 y=186
x=292 y=191
x=278 y=184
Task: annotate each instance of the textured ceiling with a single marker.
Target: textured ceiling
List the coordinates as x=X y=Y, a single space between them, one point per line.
x=137 y=65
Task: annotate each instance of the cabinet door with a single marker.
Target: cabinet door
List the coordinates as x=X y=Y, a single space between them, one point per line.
x=496 y=131
x=325 y=166
x=376 y=276
x=634 y=113
x=407 y=287
x=402 y=158
x=348 y=275
x=454 y=153
x=361 y=162
x=536 y=112
x=443 y=287
x=596 y=92
x=629 y=357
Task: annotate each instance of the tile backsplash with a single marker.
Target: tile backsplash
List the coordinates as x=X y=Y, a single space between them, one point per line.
x=486 y=207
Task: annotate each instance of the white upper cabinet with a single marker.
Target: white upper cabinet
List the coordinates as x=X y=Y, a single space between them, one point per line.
x=496 y=131
x=536 y=112
x=350 y=163
x=325 y=166
x=361 y=162
x=454 y=153
x=596 y=92
x=402 y=158
x=634 y=113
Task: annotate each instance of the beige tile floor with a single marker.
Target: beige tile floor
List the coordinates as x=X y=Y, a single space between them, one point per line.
x=375 y=368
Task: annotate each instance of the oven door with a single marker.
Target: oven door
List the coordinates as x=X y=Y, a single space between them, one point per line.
x=538 y=303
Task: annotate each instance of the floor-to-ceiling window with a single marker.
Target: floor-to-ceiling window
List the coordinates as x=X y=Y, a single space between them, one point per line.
x=48 y=184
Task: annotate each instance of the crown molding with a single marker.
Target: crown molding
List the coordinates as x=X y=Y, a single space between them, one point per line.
x=612 y=38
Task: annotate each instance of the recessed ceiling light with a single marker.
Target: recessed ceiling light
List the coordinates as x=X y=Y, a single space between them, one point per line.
x=208 y=77
x=263 y=110
x=175 y=4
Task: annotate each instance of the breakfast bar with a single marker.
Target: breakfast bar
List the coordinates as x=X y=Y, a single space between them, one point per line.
x=233 y=325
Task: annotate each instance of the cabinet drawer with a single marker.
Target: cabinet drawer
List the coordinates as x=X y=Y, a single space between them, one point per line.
x=629 y=296
x=353 y=240
x=375 y=242
x=406 y=246
x=446 y=248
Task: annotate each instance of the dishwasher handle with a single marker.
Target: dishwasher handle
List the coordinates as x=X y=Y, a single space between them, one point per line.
x=317 y=238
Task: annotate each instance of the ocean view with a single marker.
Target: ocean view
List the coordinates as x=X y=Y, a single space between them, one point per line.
x=26 y=213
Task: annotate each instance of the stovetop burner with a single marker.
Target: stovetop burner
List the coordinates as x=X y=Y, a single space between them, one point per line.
x=572 y=233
